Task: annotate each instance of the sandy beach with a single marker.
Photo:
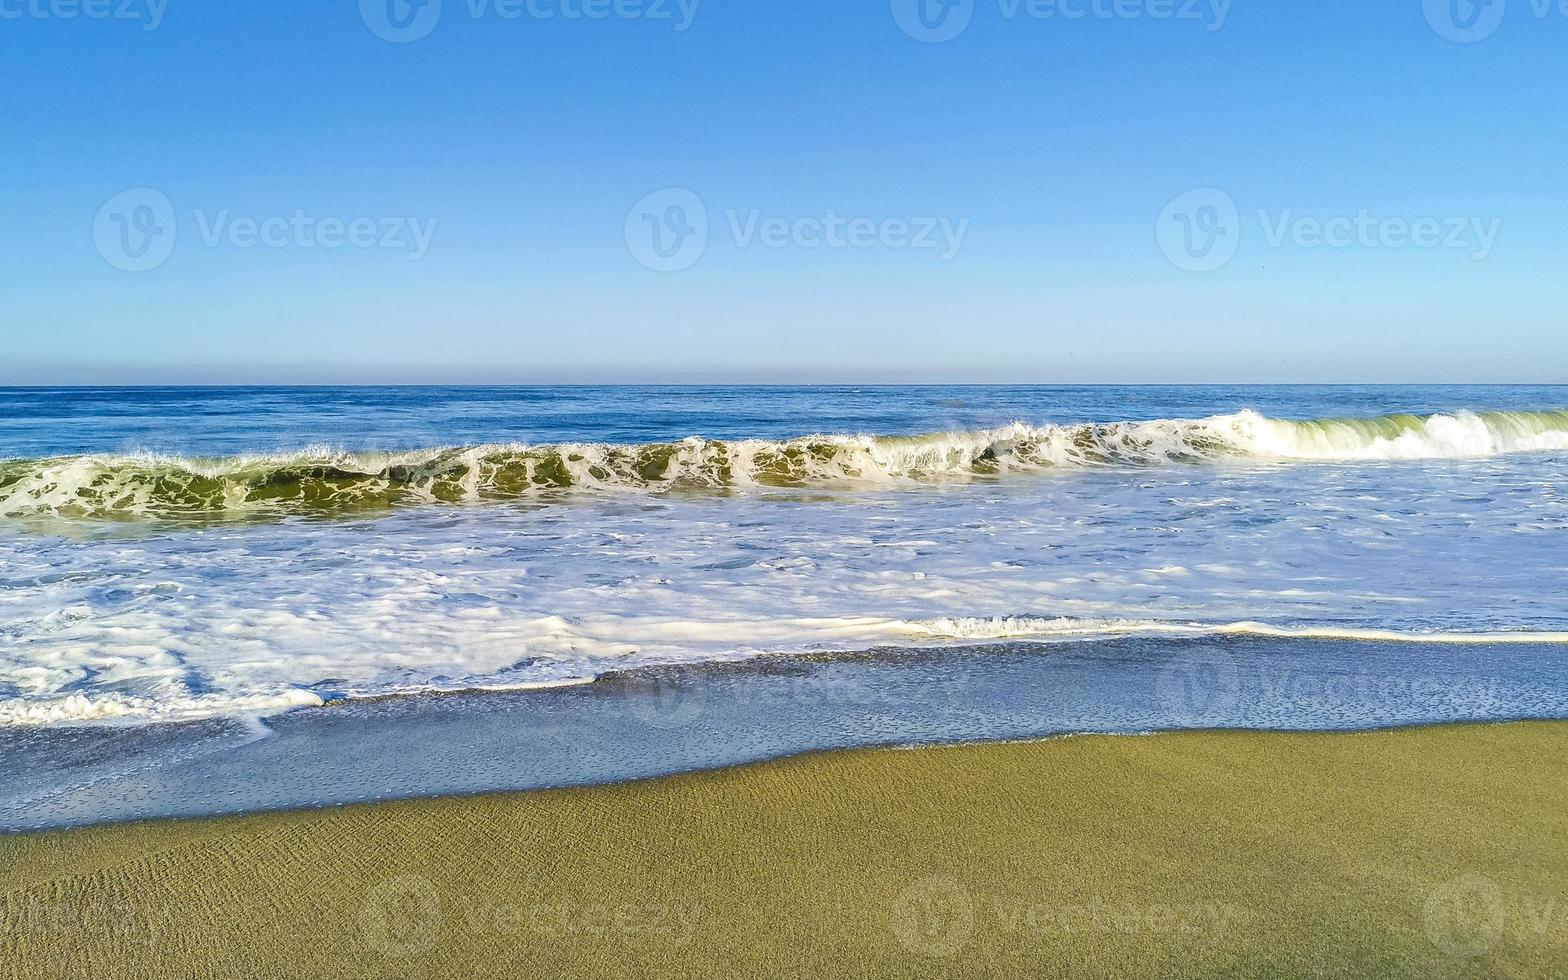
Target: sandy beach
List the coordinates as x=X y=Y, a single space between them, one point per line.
x=1424 y=852
x=923 y=488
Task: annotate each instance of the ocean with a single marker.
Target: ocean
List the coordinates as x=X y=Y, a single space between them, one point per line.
x=180 y=554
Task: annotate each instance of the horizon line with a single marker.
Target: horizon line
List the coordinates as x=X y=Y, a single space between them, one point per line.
x=46 y=386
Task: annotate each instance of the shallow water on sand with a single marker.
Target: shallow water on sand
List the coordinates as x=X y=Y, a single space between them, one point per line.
x=667 y=720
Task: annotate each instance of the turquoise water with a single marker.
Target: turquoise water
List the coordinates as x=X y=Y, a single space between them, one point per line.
x=180 y=554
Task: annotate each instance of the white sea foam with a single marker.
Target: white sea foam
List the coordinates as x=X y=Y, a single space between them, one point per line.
x=127 y=625
x=111 y=708
x=1023 y=627
x=764 y=636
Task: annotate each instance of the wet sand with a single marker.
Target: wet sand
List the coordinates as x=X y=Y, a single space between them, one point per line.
x=1422 y=852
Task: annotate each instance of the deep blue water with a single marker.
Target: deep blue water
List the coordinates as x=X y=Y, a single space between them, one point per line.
x=37 y=422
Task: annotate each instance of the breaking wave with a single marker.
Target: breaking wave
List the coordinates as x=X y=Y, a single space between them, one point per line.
x=330 y=481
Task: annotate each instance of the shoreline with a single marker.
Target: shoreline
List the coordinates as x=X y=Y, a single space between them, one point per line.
x=804 y=756
x=1431 y=851
x=1088 y=631
x=649 y=723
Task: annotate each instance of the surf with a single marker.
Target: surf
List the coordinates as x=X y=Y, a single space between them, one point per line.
x=324 y=480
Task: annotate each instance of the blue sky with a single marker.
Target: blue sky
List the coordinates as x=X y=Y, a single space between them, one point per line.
x=1003 y=199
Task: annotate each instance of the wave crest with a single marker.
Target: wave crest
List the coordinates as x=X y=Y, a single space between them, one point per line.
x=322 y=480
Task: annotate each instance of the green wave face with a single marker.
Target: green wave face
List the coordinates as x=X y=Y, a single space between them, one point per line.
x=323 y=483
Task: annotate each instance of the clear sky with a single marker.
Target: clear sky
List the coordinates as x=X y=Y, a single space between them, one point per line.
x=992 y=192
